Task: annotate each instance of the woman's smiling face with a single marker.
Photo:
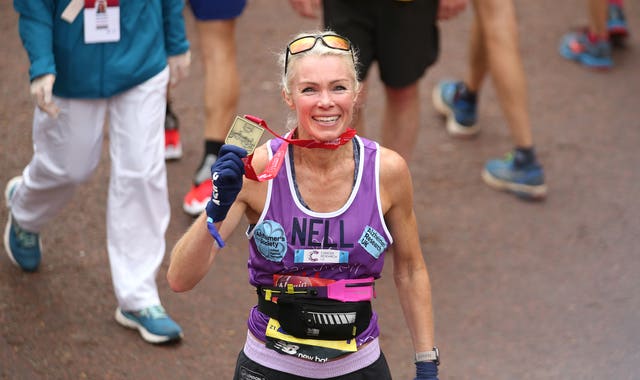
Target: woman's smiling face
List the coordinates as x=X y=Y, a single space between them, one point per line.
x=323 y=95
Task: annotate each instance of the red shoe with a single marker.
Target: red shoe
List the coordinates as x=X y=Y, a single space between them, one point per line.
x=197 y=198
x=172 y=145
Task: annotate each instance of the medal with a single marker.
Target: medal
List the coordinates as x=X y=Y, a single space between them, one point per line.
x=245 y=134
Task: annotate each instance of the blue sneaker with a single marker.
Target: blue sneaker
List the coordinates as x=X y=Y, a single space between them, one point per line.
x=577 y=47
x=617 y=25
x=153 y=323
x=452 y=100
x=23 y=247
x=525 y=182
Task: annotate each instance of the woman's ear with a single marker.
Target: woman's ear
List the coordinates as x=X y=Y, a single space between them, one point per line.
x=356 y=97
x=287 y=98
x=361 y=94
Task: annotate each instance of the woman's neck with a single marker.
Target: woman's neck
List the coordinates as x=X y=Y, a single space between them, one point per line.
x=322 y=159
x=315 y=170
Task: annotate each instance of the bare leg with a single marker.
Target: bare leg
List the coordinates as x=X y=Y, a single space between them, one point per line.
x=478 y=65
x=221 y=89
x=401 y=119
x=598 y=17
x=499 y=26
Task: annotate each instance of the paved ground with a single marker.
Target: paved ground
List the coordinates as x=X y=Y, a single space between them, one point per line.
x=521 y=290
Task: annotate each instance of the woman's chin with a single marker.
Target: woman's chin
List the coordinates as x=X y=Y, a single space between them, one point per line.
x=328 y=134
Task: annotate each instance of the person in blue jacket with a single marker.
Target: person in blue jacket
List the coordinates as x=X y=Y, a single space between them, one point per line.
x=89 y=66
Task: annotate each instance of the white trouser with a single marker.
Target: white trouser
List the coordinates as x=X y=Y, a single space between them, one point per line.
x=66 y=152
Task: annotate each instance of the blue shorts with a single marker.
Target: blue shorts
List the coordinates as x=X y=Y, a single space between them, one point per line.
x=217 y=9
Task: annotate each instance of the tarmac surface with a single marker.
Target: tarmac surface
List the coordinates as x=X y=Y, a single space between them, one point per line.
x=521 y=290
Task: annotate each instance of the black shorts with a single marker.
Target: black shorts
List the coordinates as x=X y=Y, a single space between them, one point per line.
x=247 y=369
x=402 y=36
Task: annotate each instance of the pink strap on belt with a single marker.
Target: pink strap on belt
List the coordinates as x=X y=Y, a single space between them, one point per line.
x=345 y=290
x=351 y=290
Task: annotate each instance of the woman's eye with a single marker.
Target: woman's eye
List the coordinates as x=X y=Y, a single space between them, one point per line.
x=307 y=90
x=339 y=88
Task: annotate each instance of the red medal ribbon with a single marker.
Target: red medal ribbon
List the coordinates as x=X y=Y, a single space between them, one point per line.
x=276 y=161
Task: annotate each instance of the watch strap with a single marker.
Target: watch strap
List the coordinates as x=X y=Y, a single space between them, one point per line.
x=428 y=356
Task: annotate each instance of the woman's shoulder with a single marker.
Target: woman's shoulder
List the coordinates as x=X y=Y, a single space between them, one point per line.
x=261 y=156
x=395 y=178
x=392 y=162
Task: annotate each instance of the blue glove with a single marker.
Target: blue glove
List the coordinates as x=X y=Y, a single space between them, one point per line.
x=426 y=371
x=226 y=178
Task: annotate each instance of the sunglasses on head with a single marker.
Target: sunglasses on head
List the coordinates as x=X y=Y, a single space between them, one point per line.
x=306 y=43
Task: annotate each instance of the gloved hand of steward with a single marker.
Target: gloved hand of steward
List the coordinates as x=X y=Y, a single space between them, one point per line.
x=226 y=178
x=179 y=67
x=41 y=90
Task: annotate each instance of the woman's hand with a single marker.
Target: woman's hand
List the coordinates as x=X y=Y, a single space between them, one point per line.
x=226 y=176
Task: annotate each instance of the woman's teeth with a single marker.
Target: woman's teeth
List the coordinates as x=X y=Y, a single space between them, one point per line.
x=326 y=119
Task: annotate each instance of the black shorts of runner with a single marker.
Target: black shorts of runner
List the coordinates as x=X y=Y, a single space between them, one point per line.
x=402 y=36
x=247 y=369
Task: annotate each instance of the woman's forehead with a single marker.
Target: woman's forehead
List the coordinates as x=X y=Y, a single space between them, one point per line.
x=322 y=65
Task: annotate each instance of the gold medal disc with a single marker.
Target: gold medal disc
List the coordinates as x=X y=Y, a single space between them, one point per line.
x=245 y=134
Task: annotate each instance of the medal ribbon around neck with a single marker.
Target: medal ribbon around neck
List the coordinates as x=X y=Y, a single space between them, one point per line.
x=273 y=166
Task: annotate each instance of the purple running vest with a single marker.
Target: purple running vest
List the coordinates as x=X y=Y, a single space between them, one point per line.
x=348 y=243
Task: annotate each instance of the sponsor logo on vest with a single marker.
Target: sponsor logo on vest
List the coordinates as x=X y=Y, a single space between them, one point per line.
x=320 y=256
x=270 y=240
x=372 y=242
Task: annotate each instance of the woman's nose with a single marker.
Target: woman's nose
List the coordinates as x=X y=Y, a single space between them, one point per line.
x=325 y=99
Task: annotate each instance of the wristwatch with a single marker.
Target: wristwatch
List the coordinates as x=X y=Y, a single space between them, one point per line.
x=428 y=356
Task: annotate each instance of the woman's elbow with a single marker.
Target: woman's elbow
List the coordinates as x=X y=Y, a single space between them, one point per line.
x=177 y=284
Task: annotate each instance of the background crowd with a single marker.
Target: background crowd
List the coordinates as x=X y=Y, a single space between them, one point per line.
x=439 y=172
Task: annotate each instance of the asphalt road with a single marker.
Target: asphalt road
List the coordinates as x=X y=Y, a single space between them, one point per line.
x=521 y=290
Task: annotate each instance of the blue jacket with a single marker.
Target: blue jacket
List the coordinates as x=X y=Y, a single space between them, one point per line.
x=150 y=30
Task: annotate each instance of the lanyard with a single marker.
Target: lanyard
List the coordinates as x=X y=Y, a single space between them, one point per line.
x=273 y=166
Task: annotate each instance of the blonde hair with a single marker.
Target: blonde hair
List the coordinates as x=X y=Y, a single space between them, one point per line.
x=319 y=49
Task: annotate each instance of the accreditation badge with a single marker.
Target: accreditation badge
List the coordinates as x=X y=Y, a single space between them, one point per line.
x=101 y=21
